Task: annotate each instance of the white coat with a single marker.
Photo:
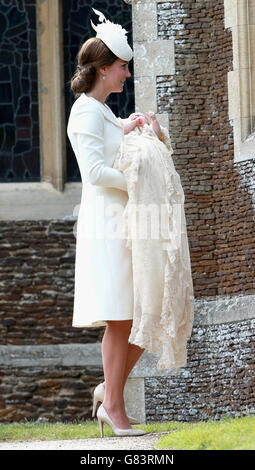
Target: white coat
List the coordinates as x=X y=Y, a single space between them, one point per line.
x=103 y=288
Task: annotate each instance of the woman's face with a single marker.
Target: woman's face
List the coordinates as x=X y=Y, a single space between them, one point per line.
x=116 y=75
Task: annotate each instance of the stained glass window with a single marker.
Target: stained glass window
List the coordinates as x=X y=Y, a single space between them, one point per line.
x=77 y=29
x=19 y=120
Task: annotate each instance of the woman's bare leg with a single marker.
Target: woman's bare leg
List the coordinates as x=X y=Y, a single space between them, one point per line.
x=133 y=354
x=114 y=353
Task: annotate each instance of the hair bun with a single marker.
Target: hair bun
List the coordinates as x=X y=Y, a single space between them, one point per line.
x=84 y=78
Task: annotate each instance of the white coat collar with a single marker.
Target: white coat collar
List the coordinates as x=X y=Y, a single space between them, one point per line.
x=108 y=114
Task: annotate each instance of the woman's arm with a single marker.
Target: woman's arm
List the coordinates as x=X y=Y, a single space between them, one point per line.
x=90 y=141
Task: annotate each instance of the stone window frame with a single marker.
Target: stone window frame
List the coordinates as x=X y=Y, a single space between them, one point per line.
x=51 y=97
x=240 y=18
x=52 y=197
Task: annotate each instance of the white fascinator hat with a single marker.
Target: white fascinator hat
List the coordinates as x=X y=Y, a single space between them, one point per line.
x=113 y=36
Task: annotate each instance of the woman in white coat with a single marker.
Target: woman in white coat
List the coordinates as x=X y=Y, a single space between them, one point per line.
x=103 y=267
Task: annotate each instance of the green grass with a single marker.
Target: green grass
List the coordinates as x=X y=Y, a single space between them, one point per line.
x=48 y=431
x=58 y=431
x=226 y=434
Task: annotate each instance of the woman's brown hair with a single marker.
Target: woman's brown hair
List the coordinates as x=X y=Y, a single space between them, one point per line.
x=92 y=55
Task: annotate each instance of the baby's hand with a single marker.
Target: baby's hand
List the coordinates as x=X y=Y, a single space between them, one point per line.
x=154 y=123
x=139 y=118
x=133 y=121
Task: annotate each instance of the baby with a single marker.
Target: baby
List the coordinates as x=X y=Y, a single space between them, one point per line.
x=139 y=119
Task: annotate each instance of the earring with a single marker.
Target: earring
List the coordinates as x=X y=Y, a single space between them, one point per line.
x=103 y=77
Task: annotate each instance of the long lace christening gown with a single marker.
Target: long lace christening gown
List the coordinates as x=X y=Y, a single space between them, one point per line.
x=154 y=227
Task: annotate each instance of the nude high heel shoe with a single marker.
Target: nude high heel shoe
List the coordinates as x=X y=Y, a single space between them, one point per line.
x=98 y=397
x=103 y=417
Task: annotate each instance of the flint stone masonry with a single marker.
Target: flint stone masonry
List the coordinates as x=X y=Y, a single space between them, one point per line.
x=53 y=393
x=37 y=283
x=219 y=380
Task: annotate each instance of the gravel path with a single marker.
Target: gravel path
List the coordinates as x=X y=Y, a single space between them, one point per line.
x=145 y=442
